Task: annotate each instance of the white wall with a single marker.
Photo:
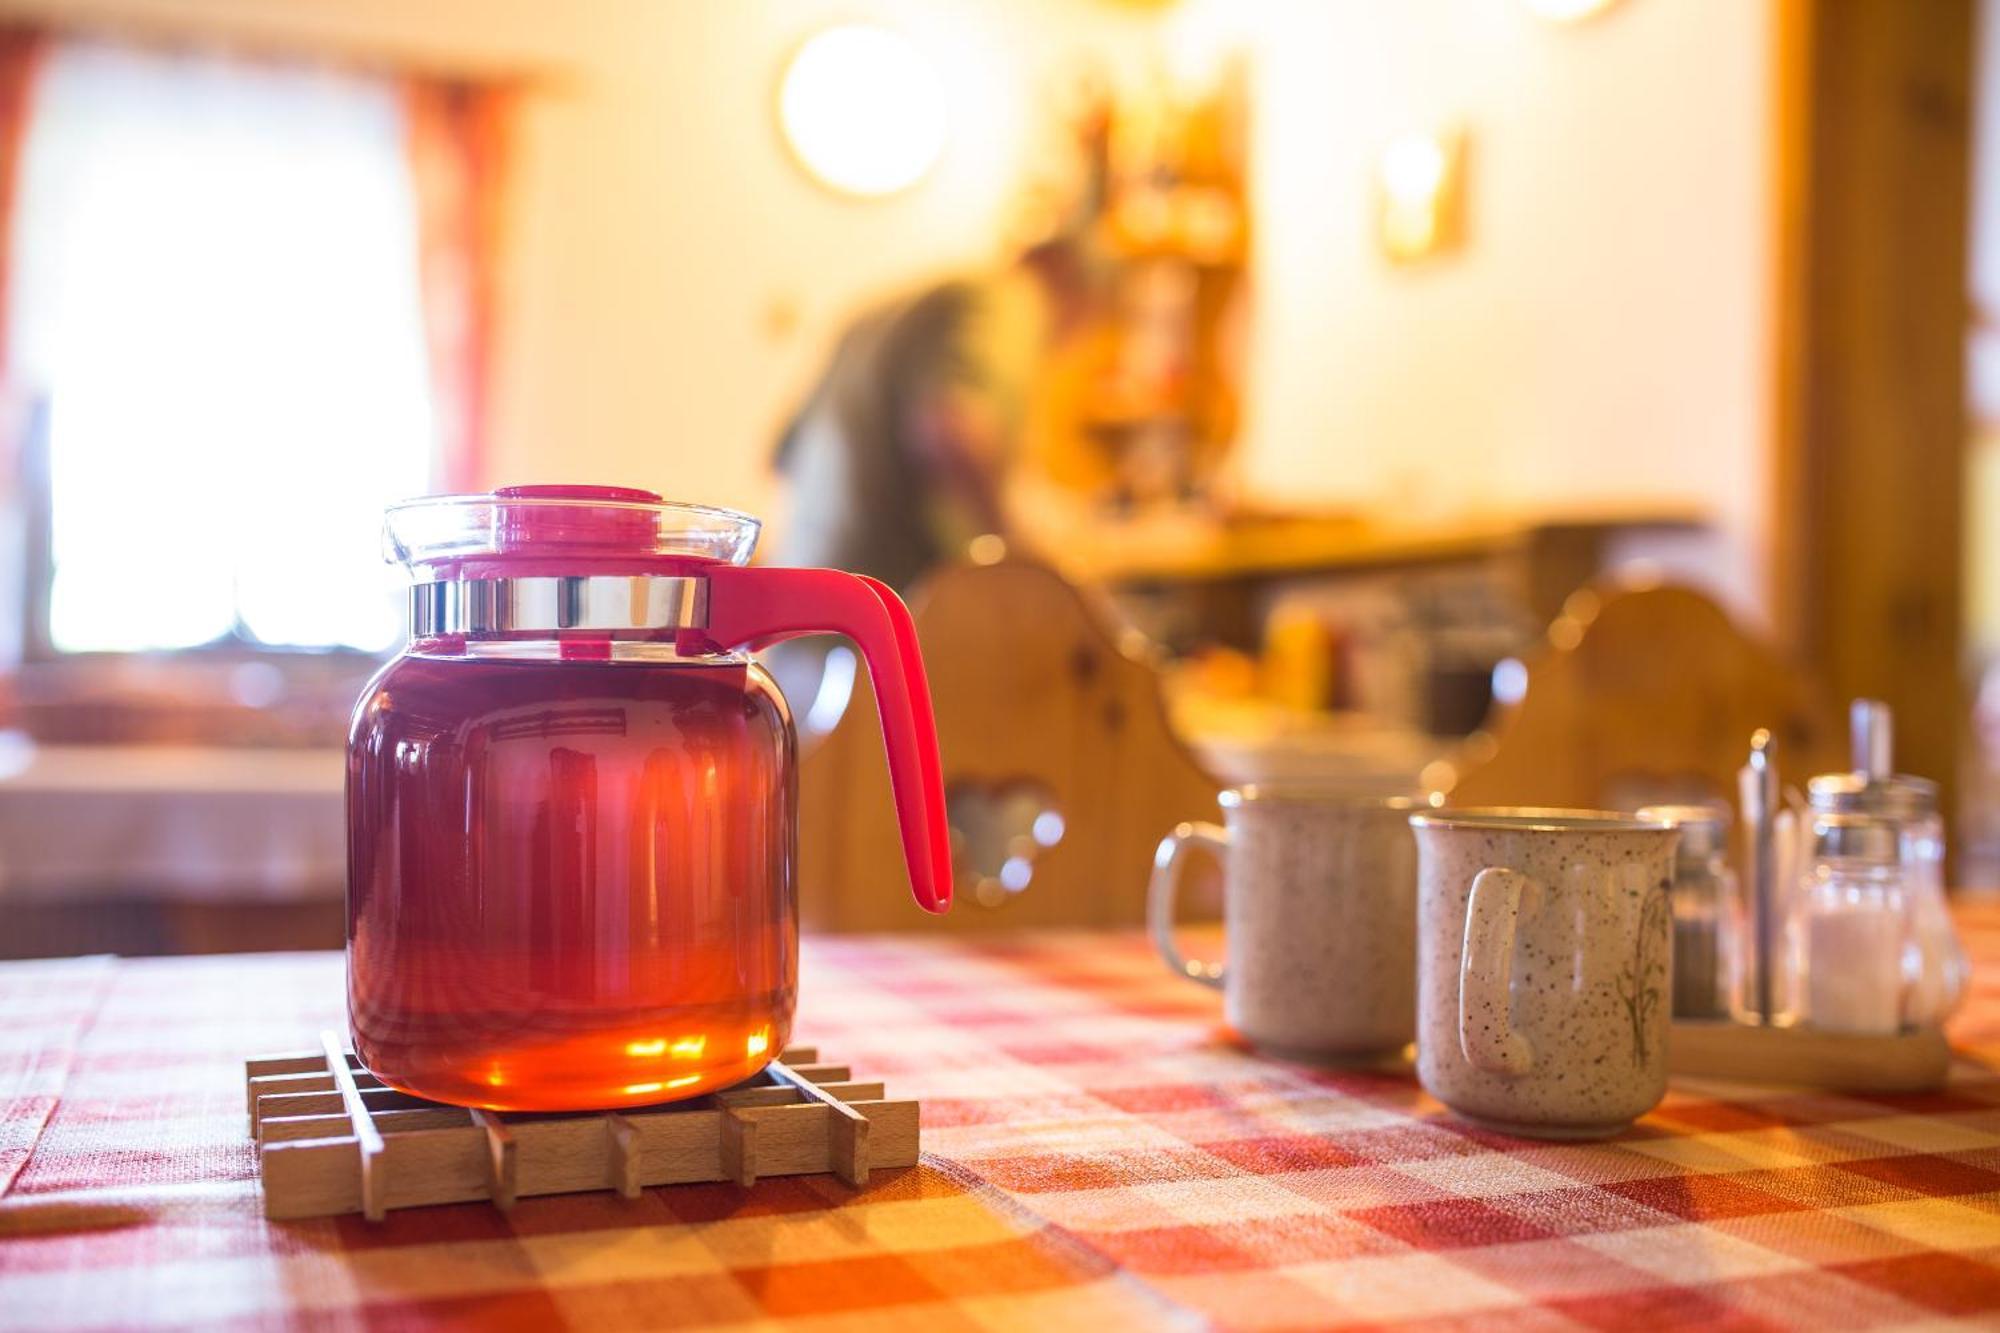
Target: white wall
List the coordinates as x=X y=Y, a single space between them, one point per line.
x=1604 y=335
x=1607 y=331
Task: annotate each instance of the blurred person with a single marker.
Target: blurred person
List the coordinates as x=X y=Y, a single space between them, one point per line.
x=902 y=454
x=904 y=450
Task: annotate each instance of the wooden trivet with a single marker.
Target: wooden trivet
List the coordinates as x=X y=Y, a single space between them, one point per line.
x=332 y=1139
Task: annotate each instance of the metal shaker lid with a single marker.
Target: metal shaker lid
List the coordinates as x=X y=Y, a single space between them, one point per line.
x=1898 y=796
x=1859 y=837
x=1704 y=829
x=1872 y=788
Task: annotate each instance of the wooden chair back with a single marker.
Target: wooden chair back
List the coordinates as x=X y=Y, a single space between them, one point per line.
x=1060 y=769
x=1646 y=696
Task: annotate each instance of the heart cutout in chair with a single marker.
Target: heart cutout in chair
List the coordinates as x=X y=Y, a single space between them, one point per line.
x=997 y=831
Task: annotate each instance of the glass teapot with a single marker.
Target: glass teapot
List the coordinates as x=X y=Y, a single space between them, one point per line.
x=571 y=800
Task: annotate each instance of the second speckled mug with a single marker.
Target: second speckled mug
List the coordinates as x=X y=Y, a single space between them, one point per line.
x=1543 y=943
x=1319 y=908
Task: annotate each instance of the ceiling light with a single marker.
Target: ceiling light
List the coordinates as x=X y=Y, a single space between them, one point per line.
x=863 y=110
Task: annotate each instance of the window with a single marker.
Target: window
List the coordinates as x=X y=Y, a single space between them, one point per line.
x=216 y=299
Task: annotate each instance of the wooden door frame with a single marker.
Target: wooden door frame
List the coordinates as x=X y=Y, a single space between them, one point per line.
x=1873 y=136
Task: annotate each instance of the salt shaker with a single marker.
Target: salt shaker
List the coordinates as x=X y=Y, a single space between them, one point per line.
x=1880 y=953
x=1931 y=964
x=1852 y=925
x=1709 y=914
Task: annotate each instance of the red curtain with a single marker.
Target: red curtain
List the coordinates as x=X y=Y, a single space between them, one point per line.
x=20 y=56
x=457 y=141
x=20 y=52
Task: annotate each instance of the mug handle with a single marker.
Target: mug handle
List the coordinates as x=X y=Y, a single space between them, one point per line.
x=1165 y=887
x=1500 y=898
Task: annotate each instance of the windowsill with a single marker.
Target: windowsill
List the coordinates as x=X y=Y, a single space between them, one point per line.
x=203 y=698
x=169 y=822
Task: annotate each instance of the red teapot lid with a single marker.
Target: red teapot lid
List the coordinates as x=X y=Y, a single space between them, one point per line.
x=563 y=529
x=609 y=520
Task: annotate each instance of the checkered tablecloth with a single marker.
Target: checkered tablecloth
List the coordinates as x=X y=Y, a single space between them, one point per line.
x=1097 y=1154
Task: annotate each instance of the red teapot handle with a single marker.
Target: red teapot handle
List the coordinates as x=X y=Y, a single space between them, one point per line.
x=753 y=607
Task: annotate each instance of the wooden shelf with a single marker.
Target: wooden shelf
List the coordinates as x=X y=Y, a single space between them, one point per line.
x=1182 y=549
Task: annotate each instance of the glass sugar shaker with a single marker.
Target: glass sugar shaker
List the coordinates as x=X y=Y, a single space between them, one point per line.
x=1931 y=966
x=1710 y=920
x=1876 y=846
x=1851 y=924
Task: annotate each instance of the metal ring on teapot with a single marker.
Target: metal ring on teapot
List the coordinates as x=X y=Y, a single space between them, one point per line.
x=550 y=603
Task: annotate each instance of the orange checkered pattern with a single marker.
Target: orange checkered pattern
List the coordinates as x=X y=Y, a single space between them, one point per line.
x=1098 y=1154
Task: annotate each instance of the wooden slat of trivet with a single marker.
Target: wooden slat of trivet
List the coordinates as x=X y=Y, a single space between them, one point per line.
x=847 y=1132
x=312 y=1116
x=624 y=1152
x=367 y=1139
x=503 y=1168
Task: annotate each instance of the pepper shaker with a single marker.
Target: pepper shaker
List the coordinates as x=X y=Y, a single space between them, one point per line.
x=1757 y=784
x=1708 y=909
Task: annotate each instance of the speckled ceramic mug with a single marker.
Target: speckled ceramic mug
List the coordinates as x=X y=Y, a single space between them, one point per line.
x=1543 y=942
x=1319 y=912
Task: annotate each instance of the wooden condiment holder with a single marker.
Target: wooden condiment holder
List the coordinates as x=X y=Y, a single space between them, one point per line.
x=1913 y=1061
x=332 y=1139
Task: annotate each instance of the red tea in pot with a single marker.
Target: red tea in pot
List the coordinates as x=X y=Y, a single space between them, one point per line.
x=572 y=801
